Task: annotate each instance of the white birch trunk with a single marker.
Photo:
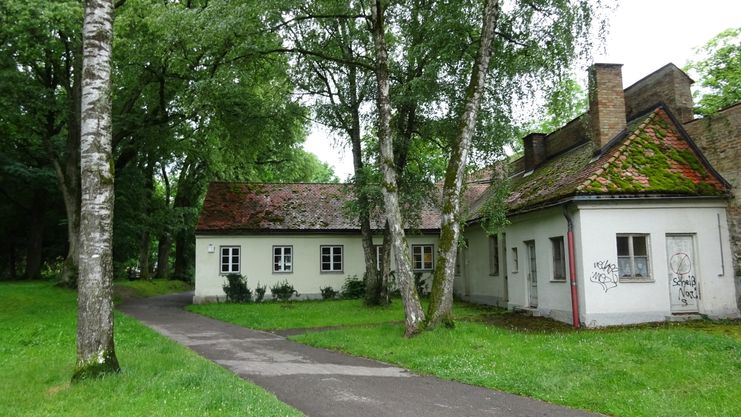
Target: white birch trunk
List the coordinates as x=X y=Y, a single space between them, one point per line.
x=441 y=297
x=95 y=349
x=414 y=315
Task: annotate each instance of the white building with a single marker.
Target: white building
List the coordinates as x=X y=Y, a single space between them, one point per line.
x=618 y=205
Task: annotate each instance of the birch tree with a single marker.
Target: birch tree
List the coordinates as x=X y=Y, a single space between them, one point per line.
x=441 y=297
x=413 y=313
x=95 y=349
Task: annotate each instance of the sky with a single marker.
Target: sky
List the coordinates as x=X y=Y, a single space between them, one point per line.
x=644 y=35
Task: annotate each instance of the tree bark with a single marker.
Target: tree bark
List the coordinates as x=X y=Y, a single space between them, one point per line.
x=441 y=297
x=68 y=177
x=95 y=348
x=163 y=256
x=35 y=237
x=414 y=315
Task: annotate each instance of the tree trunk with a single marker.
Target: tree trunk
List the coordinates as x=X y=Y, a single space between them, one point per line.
x=181 y=255
x=373 y=285
x=163 y=256
x=69 y=178
x=35 y=237
x=145 y=246
x=12 y=262
x=386 y=266
x=95 y=349
x=441 y=297
x=414 y=315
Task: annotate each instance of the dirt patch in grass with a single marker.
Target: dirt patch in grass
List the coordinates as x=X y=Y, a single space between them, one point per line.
x=521 y=322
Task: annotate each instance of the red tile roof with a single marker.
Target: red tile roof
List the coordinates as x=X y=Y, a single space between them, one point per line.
x=654 y=156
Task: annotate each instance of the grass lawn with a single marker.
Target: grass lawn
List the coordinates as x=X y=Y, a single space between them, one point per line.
x=125 y=289
x=671 y=371
x=159 y=377
x=689 y=369
x=313 y=313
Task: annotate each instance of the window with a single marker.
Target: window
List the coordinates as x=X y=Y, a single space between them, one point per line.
x=633 y=257
x=379 y=256
x=229 y=260
x=331 y=258
x=559 y=260
x=282 y=258
x=494 y=255
x=422 y=257
x=515 y=261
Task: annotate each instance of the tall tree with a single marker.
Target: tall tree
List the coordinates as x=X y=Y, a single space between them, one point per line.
x=95 y=349
x=718 y=68
x=441 y=297
x=413 y=313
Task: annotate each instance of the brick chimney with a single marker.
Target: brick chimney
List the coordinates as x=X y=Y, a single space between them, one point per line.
x=606 y=103
x=534 y=150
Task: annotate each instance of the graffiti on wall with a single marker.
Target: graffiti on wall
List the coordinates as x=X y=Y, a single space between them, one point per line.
x=605 y=274
x=683 y=282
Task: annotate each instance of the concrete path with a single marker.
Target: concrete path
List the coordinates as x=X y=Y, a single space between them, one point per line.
x=324 y=383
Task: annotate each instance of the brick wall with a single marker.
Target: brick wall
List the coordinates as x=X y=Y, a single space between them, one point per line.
x=719 y=138
x=668 y=85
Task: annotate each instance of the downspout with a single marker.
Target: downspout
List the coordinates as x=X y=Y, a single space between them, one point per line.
x=572 y=270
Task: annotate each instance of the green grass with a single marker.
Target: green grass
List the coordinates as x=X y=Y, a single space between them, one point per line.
x=158 y=377
x=125 y=289
x=307 y=314
x=671 y=370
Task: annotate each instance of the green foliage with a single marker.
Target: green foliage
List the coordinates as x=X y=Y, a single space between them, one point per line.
x=159 y=377
x=647 y=368
x=328 y=293
x=420 y=283
x=260 y=292
x=236 y=289
x=717 y=68
x=353 y=287
x=283 y=291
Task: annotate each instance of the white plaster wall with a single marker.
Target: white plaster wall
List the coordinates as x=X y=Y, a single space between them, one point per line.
x=635 y=302
x=554 y=297
x=256 y=262
x=476 y=284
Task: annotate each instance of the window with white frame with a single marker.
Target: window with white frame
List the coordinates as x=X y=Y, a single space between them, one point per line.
x=422 y=257
x=331 y=258
x=494 y=255
x=633 y=257
x=229 y=263
x=559 y=260
x=282 y=259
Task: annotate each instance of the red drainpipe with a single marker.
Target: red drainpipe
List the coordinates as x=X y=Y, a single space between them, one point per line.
x=572 y=271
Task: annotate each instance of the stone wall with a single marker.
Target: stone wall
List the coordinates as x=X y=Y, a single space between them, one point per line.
x=719 y=138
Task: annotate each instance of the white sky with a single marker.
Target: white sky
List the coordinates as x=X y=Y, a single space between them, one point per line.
x=644 y=36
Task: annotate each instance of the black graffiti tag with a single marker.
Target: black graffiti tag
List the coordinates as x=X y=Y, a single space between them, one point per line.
x=605 y=274
x=686 y=284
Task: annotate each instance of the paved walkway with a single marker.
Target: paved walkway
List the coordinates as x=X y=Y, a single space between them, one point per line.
x=324 y=383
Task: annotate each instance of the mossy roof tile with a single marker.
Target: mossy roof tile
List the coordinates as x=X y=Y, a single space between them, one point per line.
x=651 y=157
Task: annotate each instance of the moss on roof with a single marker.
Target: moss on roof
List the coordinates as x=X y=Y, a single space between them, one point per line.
x=653 y=157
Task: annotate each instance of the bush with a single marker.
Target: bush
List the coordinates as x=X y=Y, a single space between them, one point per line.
x=260 y=292
x=328 y=293
x=420 y=284
x=283 y=291
x=236 y=289
x=353 y=287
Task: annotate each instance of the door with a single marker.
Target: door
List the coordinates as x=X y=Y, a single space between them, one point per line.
x=683 y=282
x=532 y=274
